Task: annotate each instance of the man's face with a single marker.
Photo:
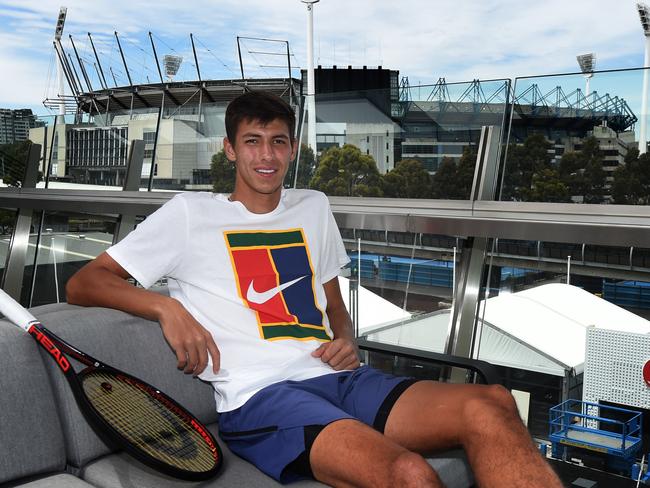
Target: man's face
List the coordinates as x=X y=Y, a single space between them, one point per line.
x=262 y=153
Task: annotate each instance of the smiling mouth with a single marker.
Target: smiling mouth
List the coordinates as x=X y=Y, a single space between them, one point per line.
x=265 y=171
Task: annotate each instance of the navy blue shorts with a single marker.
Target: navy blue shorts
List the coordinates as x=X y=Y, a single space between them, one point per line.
x=275 y=429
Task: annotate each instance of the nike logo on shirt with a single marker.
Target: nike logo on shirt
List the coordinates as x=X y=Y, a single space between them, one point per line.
x=254 y=296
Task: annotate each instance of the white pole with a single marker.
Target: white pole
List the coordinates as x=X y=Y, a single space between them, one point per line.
x=311 y=88
x=568 y=270
x=453 y=279
x=56 y=274
x=61 y=90
x=587 y=87
x=359 y=262
x=643 y=145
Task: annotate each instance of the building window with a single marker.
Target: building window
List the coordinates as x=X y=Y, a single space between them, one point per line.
x=149 y=137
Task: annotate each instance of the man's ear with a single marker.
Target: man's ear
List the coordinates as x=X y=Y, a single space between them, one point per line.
x=229 y=149
x=294 y=148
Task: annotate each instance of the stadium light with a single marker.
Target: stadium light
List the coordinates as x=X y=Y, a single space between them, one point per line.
x=311 y=88
x=644 y=16
x=58 y=32
x=172 y=63
x=587 y=63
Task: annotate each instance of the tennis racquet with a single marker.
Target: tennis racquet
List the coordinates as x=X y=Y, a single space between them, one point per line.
x=134 y=415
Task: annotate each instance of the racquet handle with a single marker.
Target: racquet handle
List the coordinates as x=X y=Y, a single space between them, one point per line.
x=15 y=312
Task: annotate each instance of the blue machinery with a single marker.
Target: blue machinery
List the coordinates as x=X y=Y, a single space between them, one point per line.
x=597 y=428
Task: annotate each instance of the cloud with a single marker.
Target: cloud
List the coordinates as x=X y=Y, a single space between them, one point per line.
x=456 y=39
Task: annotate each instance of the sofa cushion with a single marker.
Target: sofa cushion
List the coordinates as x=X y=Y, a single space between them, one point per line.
x=62 y=480
x=125 y=342
x=31 y=438
x=118 y=470
x=117 y=339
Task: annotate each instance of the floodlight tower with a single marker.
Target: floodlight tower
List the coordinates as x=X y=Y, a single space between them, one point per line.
x=58 y=32
x=587 y=63
x=172 y=63
x=644 y=15
x=311 y=84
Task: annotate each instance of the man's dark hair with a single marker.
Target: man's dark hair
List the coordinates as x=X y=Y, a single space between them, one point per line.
x=258 y=105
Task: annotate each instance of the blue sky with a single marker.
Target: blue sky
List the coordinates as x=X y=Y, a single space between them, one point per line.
x=459 y=40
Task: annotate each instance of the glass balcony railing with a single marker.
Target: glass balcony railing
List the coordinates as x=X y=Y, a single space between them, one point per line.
x=574 y=138
x=468 y=212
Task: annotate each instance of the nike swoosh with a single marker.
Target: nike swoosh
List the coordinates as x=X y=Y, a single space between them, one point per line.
x=256 y=297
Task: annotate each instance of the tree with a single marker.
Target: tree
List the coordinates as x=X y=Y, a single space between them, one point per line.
x=409 y=179
x=306 y=168
x=345 y=171
x=466 y=167
x=523 y=162
x=631 y=185
x=548 y=187
x=223 y=173
x=444 y=183
x=454 y=180
x=583 y=172
x=594 y=173
x=13 y=160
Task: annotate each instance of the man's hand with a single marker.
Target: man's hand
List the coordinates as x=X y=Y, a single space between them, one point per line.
x=339 y=354
x=190 y=340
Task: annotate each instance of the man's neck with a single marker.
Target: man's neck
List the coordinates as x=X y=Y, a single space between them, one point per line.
x=258 y=203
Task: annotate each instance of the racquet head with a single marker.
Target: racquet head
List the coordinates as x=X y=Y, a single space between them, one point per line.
x=149 y=425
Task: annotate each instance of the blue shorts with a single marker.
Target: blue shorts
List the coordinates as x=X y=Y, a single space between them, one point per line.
x=275 y=429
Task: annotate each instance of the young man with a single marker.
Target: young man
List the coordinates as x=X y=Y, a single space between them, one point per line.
x=255 y=309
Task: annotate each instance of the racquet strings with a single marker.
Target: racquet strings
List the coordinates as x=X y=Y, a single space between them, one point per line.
x=147 y=423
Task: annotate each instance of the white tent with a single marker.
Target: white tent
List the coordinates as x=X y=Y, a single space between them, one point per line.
x=374 y=311
x=542 y=329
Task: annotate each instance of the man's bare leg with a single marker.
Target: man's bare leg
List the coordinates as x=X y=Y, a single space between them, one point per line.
x=483 y=420
x=348 y=453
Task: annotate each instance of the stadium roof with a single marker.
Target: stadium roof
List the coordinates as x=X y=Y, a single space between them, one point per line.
x=180 y=93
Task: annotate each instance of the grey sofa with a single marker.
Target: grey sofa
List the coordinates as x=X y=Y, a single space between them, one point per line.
x=46 y=442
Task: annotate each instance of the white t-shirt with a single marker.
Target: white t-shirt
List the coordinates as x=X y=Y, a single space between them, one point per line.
x=253 y=280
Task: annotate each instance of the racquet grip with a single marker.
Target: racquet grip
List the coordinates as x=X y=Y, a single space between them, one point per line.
x=15 y=312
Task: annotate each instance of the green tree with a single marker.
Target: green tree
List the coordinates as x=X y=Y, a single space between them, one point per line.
x=523 y=162
x=223 y=173
x=345 y=171
x=547 y=186
x=13 y=161
x=306 y=167
x=583 y=173
x=409 y=179
x=594 y=173
x=571 y=171
x=444 y=183
x=466 y=167
x=631 y=185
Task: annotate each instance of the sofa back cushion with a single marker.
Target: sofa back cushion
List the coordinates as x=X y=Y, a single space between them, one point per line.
x=31 y=438
x=128 y=343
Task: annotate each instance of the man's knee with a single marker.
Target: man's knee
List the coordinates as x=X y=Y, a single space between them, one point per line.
x=503 y=398
x=494 y=404
x=411 y=470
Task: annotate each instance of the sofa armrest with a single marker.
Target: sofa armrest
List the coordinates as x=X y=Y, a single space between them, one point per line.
x=485 y=371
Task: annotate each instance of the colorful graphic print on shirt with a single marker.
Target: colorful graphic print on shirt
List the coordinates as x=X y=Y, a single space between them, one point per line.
x=275 y=279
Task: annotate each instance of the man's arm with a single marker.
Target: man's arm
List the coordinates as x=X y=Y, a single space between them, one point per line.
x=102 y=282
x=341 y=353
